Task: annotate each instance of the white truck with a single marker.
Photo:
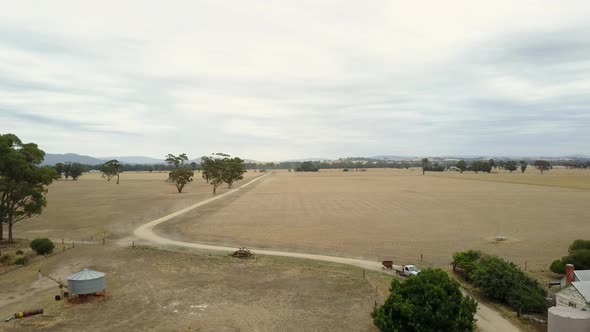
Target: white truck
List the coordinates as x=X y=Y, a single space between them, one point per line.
x=408 y=270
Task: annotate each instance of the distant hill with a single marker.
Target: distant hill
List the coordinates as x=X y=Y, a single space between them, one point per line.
x=397 y=158
x=54 y=158
x=308 y=159
x=141 y=160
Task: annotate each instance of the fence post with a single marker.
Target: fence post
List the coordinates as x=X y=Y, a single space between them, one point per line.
x=73 y=244
x=103 y=241
x=133 y=244
x=525 y=265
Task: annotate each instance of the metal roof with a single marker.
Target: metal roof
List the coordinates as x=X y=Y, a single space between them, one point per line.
x=86 y=274
x=583 y=288
x=582 y=275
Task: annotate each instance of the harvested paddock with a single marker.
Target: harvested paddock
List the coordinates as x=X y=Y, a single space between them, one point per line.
x=395 y=214
x=91 y=208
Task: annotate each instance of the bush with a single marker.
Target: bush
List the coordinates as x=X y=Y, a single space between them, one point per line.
x=430 y=301
x=5 y=259
x=19 y=252
x=580 y=259
x=42 y=246
x=21 y=260
x=557 y=267
x=504 y=281
x=579 y=245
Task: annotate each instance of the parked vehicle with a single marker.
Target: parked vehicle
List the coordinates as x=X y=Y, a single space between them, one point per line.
x=408 y=270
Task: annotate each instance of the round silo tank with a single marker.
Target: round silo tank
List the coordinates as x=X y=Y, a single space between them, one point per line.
x=86 y=281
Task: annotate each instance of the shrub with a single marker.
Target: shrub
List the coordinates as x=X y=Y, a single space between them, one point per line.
x=557 y=267
x=504 y=281
x=467 y=260
x=579 y=245
x=430 y=301
x=580 y=259
x=21 y=260
x=19 y=252
x=5 y=259
x=42 y=246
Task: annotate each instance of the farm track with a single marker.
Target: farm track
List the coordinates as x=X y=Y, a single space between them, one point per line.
x=488 y=319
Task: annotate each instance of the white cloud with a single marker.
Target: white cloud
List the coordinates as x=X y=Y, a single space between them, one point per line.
x=278 y=80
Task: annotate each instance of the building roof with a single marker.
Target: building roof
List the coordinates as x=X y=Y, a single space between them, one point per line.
x=582 y=275
x=583 y=288
x=86 y=274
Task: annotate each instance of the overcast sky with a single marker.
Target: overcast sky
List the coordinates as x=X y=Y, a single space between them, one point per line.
x=275 y=80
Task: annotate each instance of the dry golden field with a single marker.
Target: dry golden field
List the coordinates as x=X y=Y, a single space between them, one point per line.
x=399 y=214
x=91 y=207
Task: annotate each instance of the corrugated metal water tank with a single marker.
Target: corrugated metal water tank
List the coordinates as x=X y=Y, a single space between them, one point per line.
x=86 y=281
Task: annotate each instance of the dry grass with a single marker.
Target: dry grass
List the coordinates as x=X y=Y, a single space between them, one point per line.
x=557 y=177
x=395 y=214
x=91 y=207
x=166 y=291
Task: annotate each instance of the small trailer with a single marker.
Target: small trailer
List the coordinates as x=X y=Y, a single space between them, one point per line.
x=387 y=265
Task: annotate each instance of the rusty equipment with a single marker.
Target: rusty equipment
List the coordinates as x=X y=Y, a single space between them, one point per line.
x=22 y=314
x=62 y=287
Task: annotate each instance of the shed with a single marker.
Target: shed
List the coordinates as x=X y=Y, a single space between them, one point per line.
x=86 y=281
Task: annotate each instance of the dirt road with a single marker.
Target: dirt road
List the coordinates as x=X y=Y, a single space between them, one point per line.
x=487 y=318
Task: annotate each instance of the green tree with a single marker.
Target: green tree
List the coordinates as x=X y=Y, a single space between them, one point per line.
x=542 y=165
x=110 y=169
x=425 y=163
x=307 y=166
x=59 y=168
x=462 y=166
x=180 y=175
x=523 y=166
x=492 y=163
x=176 y=161
x=221 y=168
x=481 y=166
x=76 y=170
x=510 y=165
x=233 y=170
x=430 y=301
x=67 y=170
x=23 y=183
